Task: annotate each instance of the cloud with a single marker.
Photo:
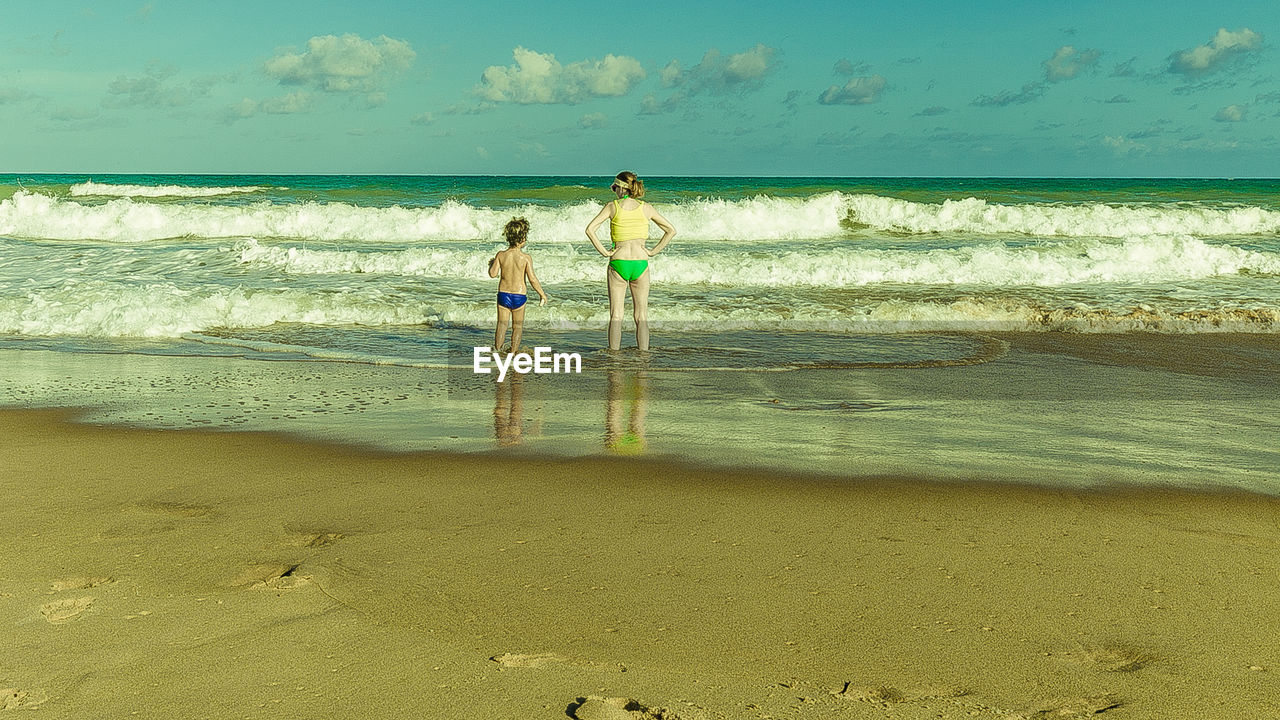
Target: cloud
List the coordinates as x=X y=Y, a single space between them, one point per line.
x=848 y=69
x=1117 y=100
x=151 y=90
x=1271 y=97
x=243 y=109
x=1152 y=132
x=73 y=114
x=715 y=74
x=719 y=74
x=1125 y=146
x=1125 y=69
x=469 y=108
x=539 y=79
x=532 y=149
x=592 y=121
x=649 y=105
x=1067 y=62
x=1028 y=93
x=13 y=95
x=342 y=64
x=1231 y=113
x=672 y=75
x=840 y=139
x=425 y=118
x=1225 y=48
x=291 y=104
x=790 y=101
x=933 y=110
x=858 y=91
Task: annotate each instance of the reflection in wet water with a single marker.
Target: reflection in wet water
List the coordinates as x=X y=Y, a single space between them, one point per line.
x=627 y=395
x=508 y=410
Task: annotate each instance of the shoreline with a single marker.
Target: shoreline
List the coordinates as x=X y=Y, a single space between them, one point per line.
x=1059 y=409
x=216 y=574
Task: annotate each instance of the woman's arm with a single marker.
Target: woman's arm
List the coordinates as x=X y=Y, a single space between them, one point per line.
x=668 y=230
x=605 y=213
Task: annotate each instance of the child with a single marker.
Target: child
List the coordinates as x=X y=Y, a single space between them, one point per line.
x=512 y=266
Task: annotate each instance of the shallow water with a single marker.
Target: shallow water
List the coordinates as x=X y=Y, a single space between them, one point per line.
x=1022 y=416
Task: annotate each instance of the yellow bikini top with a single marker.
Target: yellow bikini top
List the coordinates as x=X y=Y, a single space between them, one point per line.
x=628 y=224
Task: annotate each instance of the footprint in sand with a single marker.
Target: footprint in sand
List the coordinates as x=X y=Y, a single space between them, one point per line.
x=176 y=509
x=594 y=707
x=542 y=660
x=1112 y=658
x=60 y=611
x=279 y=576
x=1072 y=707
x=15 y=699
x=80 y=583
x=530 y=661
x=877 y=694
x=890 y=694
x=309 y=538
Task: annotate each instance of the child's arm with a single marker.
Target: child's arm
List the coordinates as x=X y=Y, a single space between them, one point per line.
x=494 y=266
x=533 y=280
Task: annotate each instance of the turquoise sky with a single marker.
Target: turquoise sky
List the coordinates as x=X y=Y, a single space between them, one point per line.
x=706 y=88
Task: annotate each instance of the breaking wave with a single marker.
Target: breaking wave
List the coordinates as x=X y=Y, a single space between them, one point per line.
x=1068 y=263
x=159 y=310
x=124 y=190
x=830 y=215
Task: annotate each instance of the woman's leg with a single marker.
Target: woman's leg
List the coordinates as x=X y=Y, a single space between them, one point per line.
x=640 y=306
x=617 y=304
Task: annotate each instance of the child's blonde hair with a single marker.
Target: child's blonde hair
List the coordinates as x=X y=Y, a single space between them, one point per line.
x=516 y=231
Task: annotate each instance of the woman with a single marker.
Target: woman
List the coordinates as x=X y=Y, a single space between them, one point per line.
x=629 y=218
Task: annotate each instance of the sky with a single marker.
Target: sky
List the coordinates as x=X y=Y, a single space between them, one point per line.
x=1045 y=89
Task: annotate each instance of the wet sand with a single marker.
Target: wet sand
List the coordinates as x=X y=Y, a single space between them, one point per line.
x=1046 y=408
x=196 y=574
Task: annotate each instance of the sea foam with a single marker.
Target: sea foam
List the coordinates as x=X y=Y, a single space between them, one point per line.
x=164 y=310
x=1157 y=259
x=111 y=309
x=974 y=216
x=831 y=215
x=92 y=188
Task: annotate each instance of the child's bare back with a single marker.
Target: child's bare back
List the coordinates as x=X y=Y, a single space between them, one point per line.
x=513 y=265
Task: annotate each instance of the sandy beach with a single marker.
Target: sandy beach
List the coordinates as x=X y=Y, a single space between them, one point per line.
x=195 y=574
x=946 y=387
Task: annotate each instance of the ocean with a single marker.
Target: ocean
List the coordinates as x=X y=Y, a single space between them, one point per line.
x=367 y=266
x=766 y=276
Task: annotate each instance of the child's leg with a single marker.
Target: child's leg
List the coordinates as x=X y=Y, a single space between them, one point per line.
x=517 y=327
x=504 y=319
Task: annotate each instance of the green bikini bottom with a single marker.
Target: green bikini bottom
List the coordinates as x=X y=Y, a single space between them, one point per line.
x=629 y=270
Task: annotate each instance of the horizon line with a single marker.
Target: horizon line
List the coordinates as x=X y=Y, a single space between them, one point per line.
x=573 y=175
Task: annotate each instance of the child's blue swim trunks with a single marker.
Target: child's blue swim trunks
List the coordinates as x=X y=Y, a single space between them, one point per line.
x=511 y=301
